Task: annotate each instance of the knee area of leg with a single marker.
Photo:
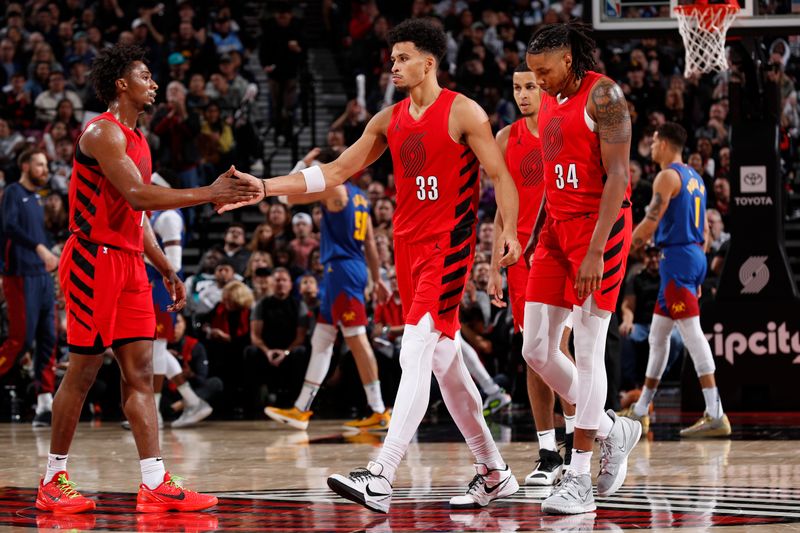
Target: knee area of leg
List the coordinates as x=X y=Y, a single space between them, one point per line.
x=703 y=366
x=535 y=355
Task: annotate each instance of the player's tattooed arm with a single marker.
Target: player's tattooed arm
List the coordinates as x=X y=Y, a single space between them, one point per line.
x=611 y=112
x=655 y=207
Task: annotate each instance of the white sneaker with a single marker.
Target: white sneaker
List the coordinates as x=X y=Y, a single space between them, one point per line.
x=495 y=402
x=572 y=496
x=487 y=485
x=365 y=486
x=614 y=452
x=547 y=470
x=192 y=415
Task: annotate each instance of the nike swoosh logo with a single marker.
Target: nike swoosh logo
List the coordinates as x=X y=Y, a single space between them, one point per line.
x=374 y=494
x=586 y=494
x=54 y=498
x=61 y=458
x=490 y=490
x=181 y=496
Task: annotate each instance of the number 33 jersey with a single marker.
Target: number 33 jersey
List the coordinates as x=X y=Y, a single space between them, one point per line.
x=436 y=178
x=573 y=166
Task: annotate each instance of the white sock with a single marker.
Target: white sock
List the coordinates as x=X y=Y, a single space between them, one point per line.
x=44 y=403
x=157 y=396
x=306 y=397
x=713 y=402
x=604 y=426
x=172 y=366
x=374 y=398
x=642 y=405
x=485 y=451
x=547 y=439
x=152 y=472
x=55 y=464
x=190 y=398
x=581 y=461
x=569 y=422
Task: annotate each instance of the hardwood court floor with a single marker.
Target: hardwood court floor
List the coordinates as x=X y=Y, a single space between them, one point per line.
x=270 y=478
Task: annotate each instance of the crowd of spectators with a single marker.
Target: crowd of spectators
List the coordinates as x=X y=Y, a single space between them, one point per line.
x=252 y=302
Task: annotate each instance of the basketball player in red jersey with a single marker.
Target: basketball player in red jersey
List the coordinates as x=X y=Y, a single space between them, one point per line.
x=579 y=260
x=523 y=155
x=438 y=140
x=102 y=274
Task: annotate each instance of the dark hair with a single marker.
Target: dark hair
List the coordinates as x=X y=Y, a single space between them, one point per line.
x=672 y=133
x=110 y=65
x=572 y=35
x=26 y=155
x=522 y=67
x=425 y=35
x=236 y=225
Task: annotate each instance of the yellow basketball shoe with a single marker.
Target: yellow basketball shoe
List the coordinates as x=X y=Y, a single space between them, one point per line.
x=294 y=417
x=374 y=422
x=628 y=412
x=708 y=427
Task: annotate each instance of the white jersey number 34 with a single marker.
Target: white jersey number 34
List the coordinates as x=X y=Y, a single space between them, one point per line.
x=572 y=176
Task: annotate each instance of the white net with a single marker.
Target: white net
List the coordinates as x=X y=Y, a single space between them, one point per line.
x=703 y=28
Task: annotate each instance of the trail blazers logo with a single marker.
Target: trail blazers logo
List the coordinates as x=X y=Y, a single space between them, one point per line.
x=412 y=155
x=532 y=169
x=754 y=274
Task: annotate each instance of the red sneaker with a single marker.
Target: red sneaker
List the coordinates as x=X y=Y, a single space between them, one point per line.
x=76 y=522
x=60 y=496
x=171 y=496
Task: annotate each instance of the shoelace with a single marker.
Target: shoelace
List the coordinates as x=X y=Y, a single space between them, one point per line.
x=175 y=481
x=357 y=475
x=605 y=453
x=476 y=482
x=67 y=487
x=567 y=484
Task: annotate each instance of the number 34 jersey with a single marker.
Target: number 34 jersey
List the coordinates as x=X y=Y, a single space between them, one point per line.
x=574 y=175
x=436 y=178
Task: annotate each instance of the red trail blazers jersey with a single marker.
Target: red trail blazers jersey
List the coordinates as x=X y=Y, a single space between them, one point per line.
x=97 y=211
x=524 y=161
x=437 y=204
x=573 y=166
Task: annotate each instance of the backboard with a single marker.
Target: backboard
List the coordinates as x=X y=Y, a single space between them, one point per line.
x=642 y=15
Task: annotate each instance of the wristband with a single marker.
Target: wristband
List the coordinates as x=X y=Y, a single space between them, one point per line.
x=264 y=183
x=315 y=180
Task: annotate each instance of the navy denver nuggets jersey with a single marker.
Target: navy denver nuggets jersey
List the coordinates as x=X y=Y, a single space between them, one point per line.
x=343 y=232
x=685 y=218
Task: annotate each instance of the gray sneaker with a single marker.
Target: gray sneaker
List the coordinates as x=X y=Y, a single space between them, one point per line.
x=573 y=495
x=614 y=452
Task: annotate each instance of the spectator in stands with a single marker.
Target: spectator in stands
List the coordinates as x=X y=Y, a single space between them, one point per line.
x=476 y=310
x=282 y=53
x=56 y=221
x=717 y=229
x=278 y=217
x=383 y=214
x=204 y=289
x=61 y=166
x=262 y=239
x=257 y=260
x=80 y=84
x=638 y=303
x=303 y=242
x=193 y=357
x=283 y=256
x=219 y=90
x=18 y=108
x=262 y=283
x=227 y=335
x=641 y=192
x=234 y=249
x=226 y=39
x=485 y=237
x=309 y=294
x=177 y=129
x=216 y=143
x=79 y=51
x=278 y=334
x=199 y=51
x=48 y=100
x=197 y=99
x=238 y=85
x=65 y=112
x=722 y=195
x=315 y=266
x=706 y=150
x=178 y=69
x=352 y=122
x=696 y=162
x=375 y=191
x=10 y=143
x=8 y=60
x=54 y=133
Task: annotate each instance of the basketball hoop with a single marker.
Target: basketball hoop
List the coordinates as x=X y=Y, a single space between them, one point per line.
x=703 y=27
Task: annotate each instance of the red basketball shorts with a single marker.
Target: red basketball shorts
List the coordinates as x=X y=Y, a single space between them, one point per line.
x=559 y=253
x=108 y=297
x=431 y=275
